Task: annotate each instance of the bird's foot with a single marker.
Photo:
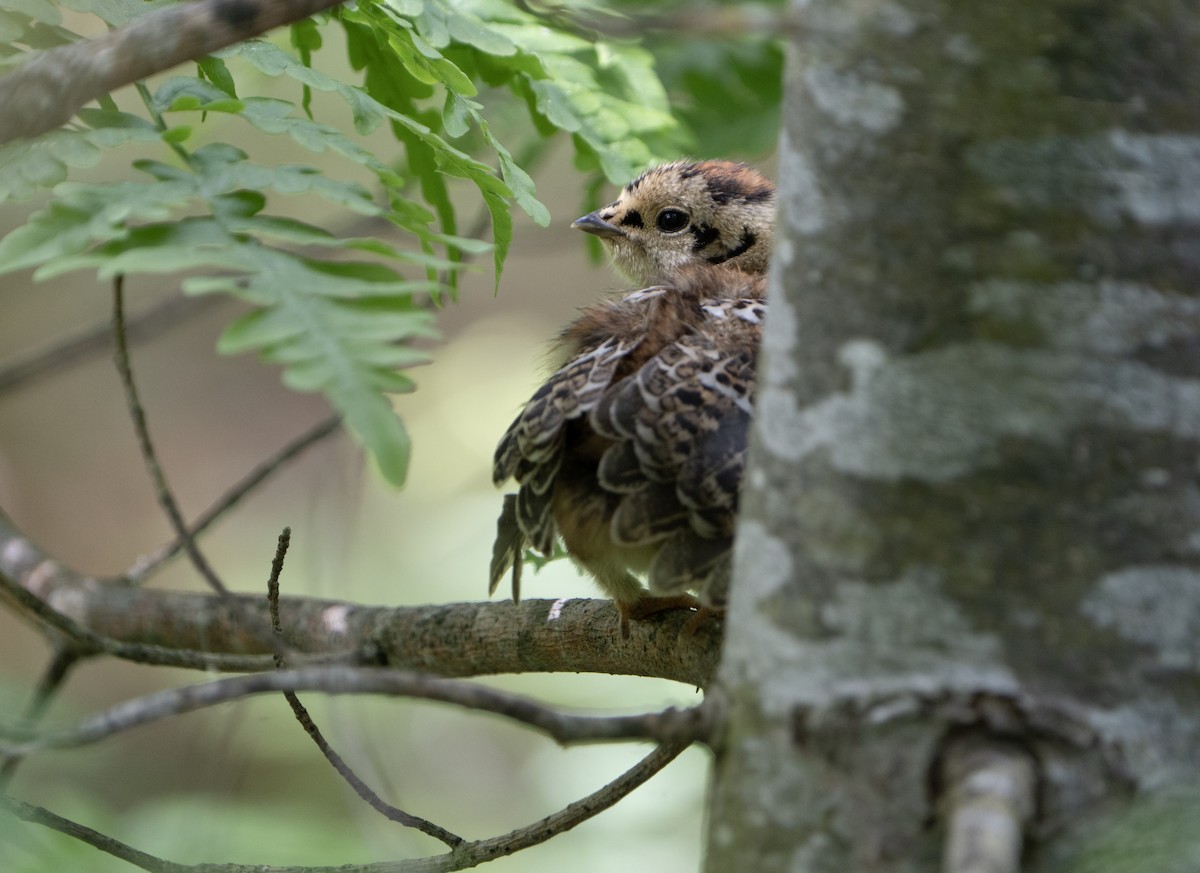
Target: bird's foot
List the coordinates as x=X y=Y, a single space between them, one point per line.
x=702 y=614
x=649 y=604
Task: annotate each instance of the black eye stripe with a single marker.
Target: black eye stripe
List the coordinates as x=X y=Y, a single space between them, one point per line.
x=632 y=218
x=705 y=236
x=748 y=239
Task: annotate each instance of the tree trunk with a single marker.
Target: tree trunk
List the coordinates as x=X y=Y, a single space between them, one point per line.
x=973 y=512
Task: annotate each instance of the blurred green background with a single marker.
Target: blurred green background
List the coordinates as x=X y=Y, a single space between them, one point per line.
x=243 y=783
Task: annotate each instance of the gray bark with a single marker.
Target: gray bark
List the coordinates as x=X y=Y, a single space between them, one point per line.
x=973 y=508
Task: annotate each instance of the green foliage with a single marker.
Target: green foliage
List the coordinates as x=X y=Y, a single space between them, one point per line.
x=1157 y=833
x=340 y=313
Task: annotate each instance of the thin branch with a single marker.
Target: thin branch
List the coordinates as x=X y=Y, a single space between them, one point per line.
x=37 y=815
x=148 y=564
x=669 y=724
x=165 y=498
x=281 y=550
x=988 y=799
x=463 y=857
x=52 y=679
x=91 y=341
x=473 y=854
x=392 y=813
x=53 y=85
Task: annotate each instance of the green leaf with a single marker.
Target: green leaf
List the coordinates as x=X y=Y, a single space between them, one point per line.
x=28 y=166
x=183 y=93
x=39 y=10
x=82 y=215
x=272 y=60
x=215 y=71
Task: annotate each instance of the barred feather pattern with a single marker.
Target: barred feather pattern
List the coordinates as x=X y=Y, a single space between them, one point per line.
x=634 y=450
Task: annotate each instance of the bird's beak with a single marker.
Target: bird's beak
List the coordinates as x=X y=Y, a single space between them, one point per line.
x=593 y=223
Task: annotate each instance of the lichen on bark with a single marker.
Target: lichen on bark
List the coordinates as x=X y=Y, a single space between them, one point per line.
x=977 y=425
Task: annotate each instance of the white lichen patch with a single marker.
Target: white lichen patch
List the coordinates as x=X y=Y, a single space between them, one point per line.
x=782 y=428
x=763 y=563
x=942 y=414
x=877 y=639
x=1158 y=176
x=780 y=335
x=1152 y=179
x=1108 y=317
x=1157 y=739
x=802 y=206
x=1157 y=606
x=69 y=601
x=334 y=619
x=852 y=101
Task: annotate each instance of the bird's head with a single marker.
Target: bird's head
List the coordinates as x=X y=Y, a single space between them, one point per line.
x=686 y=213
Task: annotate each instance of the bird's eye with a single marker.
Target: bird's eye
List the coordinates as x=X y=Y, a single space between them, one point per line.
x=672 y=220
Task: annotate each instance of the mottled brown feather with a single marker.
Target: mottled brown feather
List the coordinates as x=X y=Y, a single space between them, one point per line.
x=633 y=451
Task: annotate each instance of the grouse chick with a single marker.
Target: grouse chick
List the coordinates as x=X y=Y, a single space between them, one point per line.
x=633 y=451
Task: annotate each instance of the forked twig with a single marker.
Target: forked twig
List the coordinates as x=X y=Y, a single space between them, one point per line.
x=392 y=813
x=461 y=858
x=148 y=564
x=162 y=491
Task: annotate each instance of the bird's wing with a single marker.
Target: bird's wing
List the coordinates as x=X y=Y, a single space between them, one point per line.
x=679 y=427
x=531 y=451
x=536 y=434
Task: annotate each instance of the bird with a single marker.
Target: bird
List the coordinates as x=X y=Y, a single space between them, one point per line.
x=632 y=452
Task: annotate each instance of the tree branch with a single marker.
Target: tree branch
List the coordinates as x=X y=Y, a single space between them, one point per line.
x=458 y=639
x=988 y=799
x=465 y=856
x=669 y=725
x=473 y=854
x=54 y=84
x=82 y=641
x=37 y=815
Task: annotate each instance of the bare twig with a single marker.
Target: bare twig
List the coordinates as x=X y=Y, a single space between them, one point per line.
x=148 y=564
x=988 y=799
x=670 y=724
x=54 y=84
x=560 y=822
x=38 y=815
x=392 y=813
x=464 y=856
x=165 y=498
x=91 y=341
x=281 y=550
